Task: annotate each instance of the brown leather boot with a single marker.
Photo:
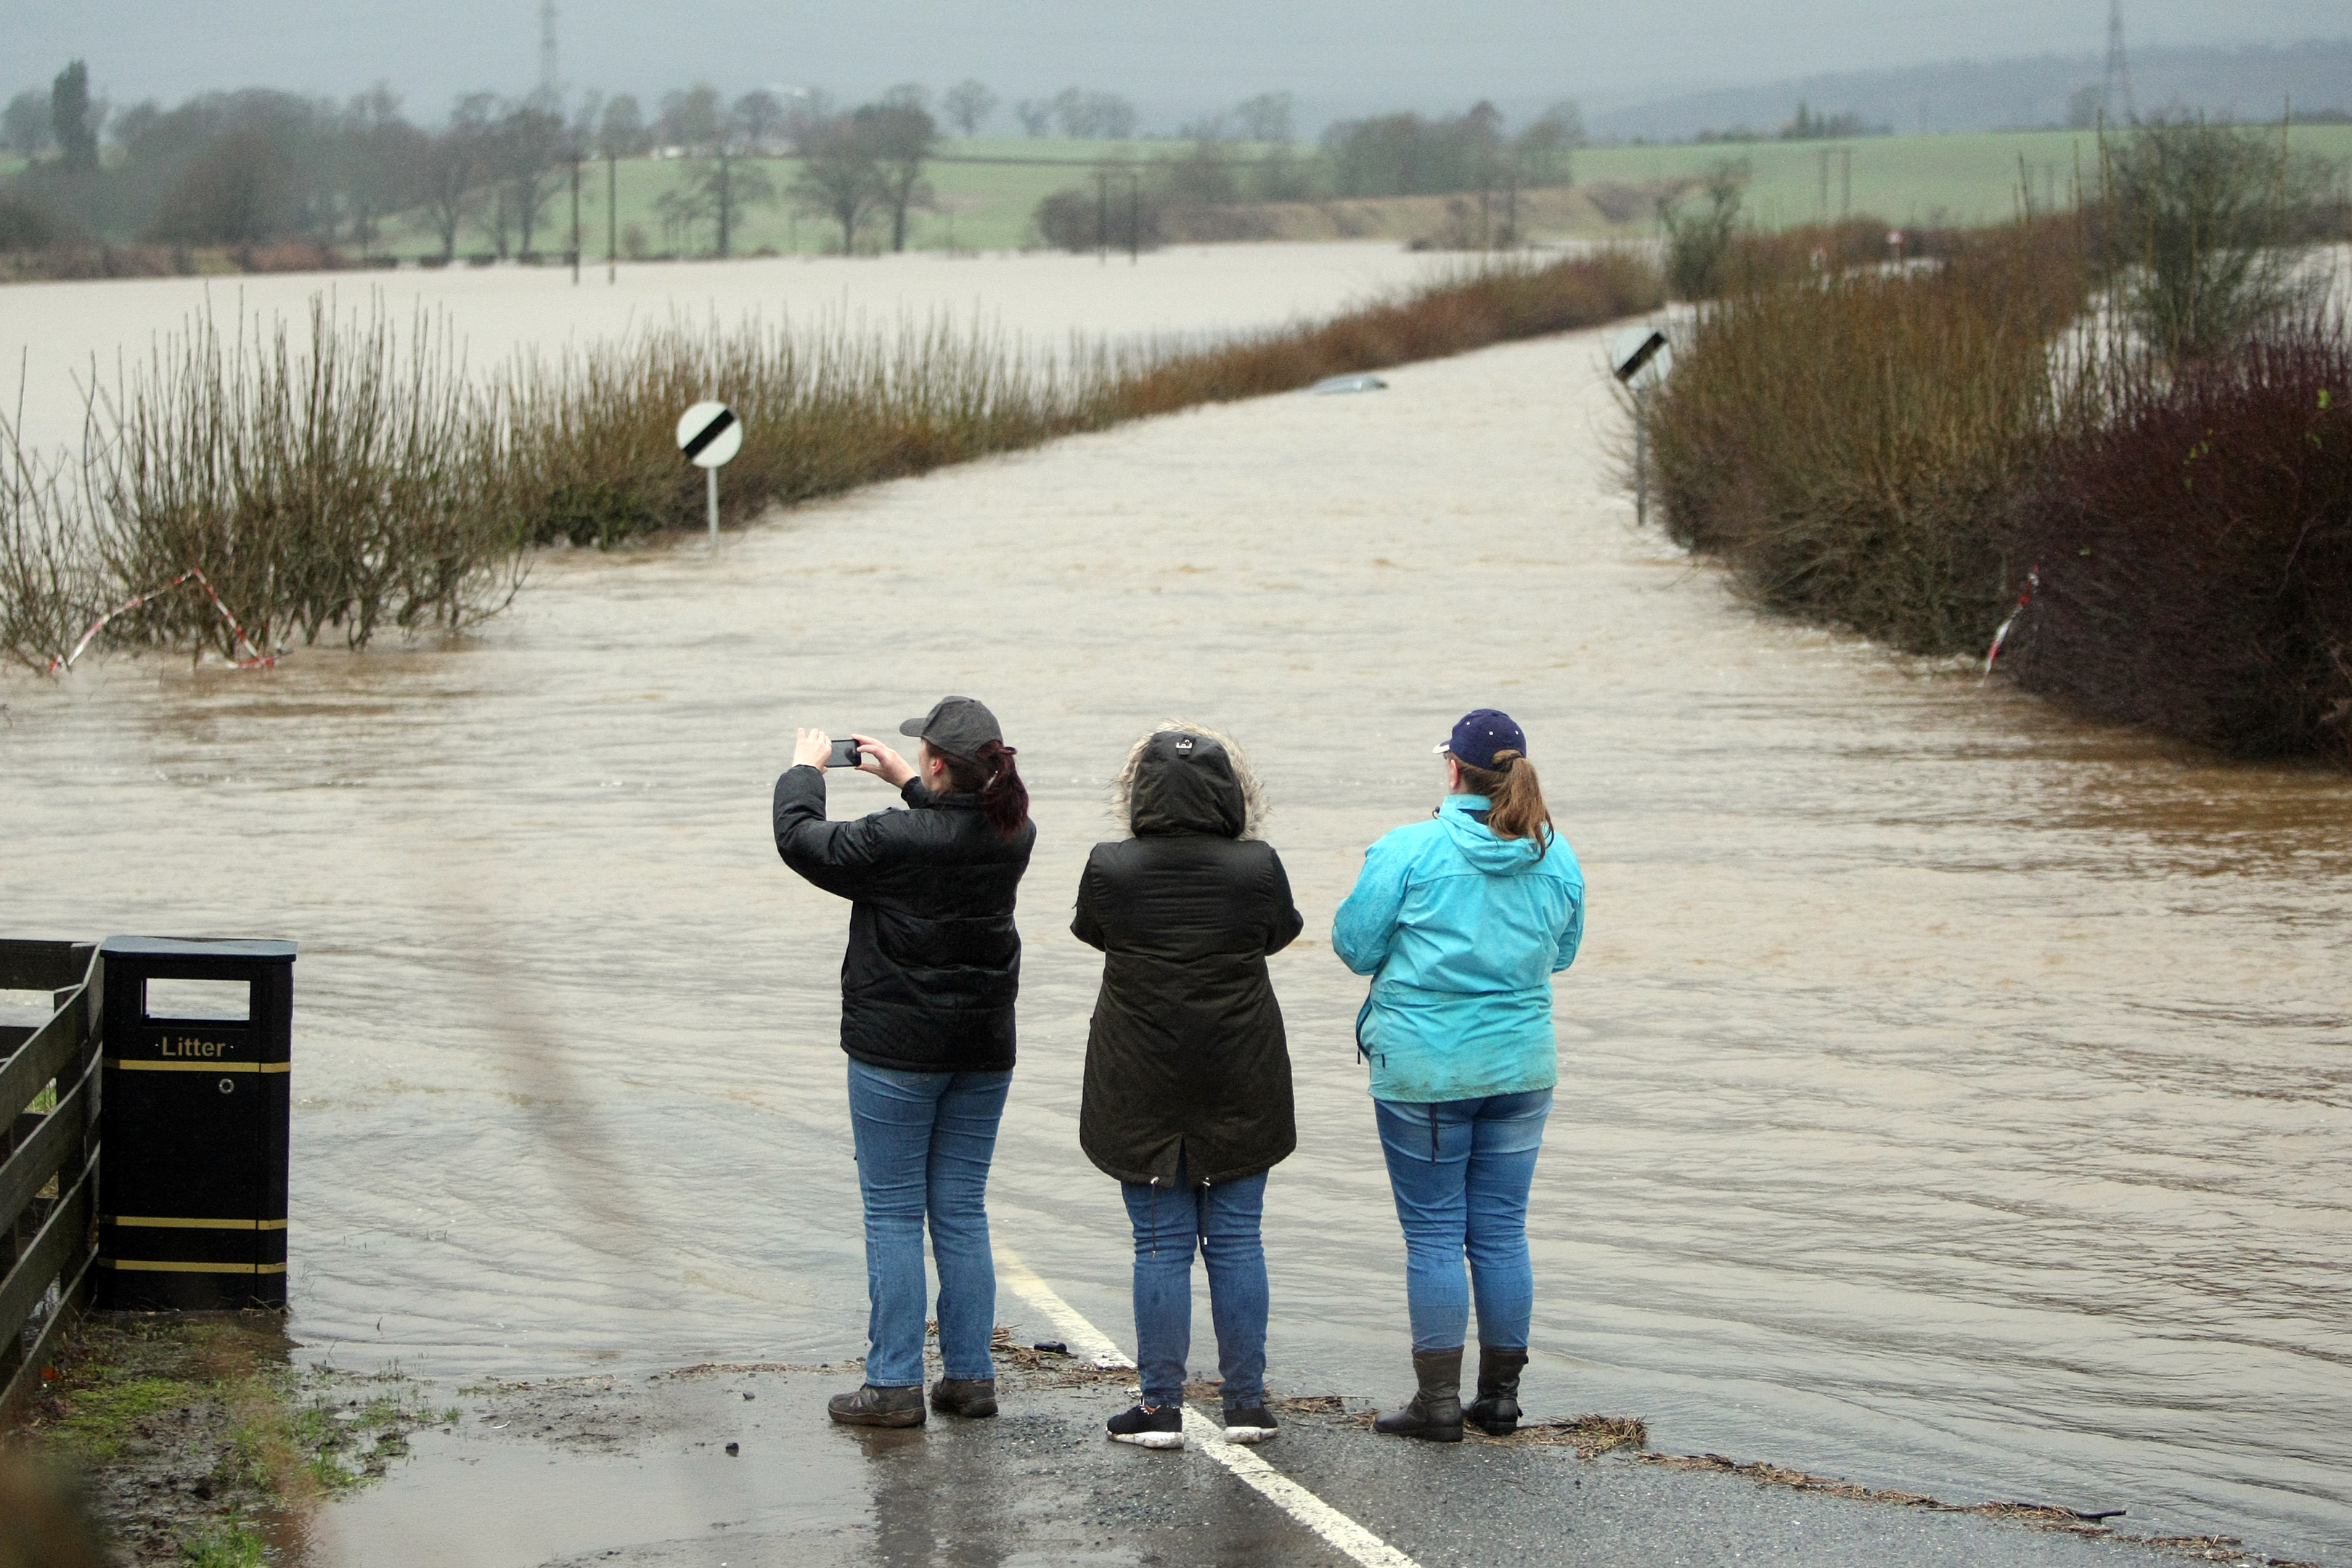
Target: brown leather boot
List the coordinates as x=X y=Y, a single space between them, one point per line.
x=872 y=1407
x=1496 y=1410
x=1436 y=1414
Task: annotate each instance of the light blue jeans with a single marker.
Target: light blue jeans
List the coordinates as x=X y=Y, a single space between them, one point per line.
x=1461 y=1169
x=1171 y=1221
x=924 y=1142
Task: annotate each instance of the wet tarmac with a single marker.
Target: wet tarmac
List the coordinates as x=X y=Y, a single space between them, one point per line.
x=730 y=1468
x=1955 y=1095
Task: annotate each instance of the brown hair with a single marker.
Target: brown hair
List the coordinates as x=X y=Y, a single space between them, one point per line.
x=1515 y=806
x=1003 y=798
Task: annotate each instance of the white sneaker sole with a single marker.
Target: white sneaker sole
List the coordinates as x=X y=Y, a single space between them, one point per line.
x=1150 y=1439
x=1250 y=1435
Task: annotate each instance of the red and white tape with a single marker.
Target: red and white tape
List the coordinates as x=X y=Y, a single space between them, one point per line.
x=2033 y=581
x=258 y=660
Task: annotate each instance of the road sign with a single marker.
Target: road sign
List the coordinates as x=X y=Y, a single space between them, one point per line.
x=1640 y=358
x=709 y=434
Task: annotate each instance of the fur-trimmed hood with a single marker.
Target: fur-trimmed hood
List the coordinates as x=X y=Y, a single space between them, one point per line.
x=1183 y=777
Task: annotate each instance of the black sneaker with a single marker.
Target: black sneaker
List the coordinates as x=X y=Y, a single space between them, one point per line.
x=1148 y=1428
x=872 y=1407
x=1254 y=1424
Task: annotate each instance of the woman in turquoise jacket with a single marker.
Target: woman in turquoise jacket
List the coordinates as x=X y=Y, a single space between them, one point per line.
x=1462 y=922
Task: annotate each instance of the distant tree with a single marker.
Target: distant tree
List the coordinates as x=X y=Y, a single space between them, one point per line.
x=723 y=186
x=757 y=119
x=621 y=130
x=1406 y=156
x=969 y=103
x=808 y=108
x=2085 y=106
x=380 y=163
x=899 y=137
x=1265 y=118
x=1094 y=114
x=2203 y=225
x=24 y=125
x=527 y=154
x=454 y=166
x=907 y=95
x=73 y=118
x=1699 y=236
x=1544 y=151
x=234 y=192
x=1036 y=117
x=838 y=178
x=690 y=118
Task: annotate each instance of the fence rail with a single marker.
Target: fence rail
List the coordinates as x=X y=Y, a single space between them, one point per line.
x=48 y=1157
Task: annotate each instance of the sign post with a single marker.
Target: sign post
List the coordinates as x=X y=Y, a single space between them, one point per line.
x=1640 y=359
x=709 y=434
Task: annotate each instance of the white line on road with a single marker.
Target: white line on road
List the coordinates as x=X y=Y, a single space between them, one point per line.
x=1084 y=1339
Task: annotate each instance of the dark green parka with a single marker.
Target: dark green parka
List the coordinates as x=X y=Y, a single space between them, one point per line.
x=1186 y=1059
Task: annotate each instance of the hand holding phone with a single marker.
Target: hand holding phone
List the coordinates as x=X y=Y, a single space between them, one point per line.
x=845 y=755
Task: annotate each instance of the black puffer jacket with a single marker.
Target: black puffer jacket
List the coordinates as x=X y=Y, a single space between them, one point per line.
x=1186 y=1059
x=934 y=963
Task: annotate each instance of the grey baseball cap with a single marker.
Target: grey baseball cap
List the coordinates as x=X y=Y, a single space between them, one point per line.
x=959 y=726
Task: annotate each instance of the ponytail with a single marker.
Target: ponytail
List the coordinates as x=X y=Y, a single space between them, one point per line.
x=1515 y=806
x=1003 y=798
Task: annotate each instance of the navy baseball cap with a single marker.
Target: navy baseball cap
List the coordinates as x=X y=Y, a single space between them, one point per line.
x=1482 y=732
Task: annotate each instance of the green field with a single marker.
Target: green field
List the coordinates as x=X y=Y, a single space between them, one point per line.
x=1953 y=179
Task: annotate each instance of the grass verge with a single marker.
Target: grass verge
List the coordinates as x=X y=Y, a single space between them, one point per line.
x=197 y=1441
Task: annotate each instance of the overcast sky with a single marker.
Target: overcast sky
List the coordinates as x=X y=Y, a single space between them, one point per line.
x=1175 y=57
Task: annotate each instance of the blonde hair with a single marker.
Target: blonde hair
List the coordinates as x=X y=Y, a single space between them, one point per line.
x=1515 y=806
x=1122 y=788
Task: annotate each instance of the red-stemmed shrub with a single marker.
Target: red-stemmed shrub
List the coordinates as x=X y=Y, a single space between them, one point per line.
x=2194 y=551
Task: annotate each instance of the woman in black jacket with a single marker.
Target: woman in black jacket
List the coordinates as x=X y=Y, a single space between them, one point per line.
x=926 y=990
x=1188 y=1076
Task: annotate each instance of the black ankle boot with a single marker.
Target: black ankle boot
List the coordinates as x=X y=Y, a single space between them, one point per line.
x=1435 y=1413
x=1497 y=1410
x=964 y=1397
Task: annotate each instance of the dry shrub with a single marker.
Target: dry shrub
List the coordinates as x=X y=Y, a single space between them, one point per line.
x=1847 y=442
x=592 y=456
x=2194 y=551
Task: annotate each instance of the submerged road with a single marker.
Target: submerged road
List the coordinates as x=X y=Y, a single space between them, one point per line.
x=1956 y=1097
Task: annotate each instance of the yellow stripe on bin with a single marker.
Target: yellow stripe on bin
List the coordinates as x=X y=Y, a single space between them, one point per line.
x=128 y=1065
x=147 y=1267
x=163 y=1222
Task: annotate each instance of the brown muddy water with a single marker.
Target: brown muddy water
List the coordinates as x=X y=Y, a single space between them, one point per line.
x=1954 y=1096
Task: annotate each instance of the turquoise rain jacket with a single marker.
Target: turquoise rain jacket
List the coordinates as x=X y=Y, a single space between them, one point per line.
x=1462 y=932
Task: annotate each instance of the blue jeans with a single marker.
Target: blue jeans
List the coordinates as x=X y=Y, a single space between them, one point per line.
x=1460 y=1170
x=924 y=1139
x=1222 y=1222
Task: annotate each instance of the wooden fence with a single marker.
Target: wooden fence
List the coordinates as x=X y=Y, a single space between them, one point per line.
x=48 y=1158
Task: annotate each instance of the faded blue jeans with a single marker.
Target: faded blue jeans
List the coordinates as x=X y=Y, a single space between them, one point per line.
x=924 y=1142
x=1461 y=1169
x=1171 y=1221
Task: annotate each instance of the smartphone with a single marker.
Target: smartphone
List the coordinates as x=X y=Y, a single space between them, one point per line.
x=845 y=754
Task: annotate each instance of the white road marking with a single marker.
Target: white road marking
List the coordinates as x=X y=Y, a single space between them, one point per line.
x=1085 y=1339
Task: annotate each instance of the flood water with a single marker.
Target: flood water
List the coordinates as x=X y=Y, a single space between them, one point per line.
x=1954 y=1095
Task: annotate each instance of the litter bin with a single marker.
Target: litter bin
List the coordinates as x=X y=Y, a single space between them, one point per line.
x=192 y=1122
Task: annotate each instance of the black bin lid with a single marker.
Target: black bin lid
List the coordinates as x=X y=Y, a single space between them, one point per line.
x=261 y=952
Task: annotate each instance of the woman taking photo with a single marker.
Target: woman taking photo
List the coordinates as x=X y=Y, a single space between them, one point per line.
x=1462 y=922
x=926 y=990
x=1188 y=1076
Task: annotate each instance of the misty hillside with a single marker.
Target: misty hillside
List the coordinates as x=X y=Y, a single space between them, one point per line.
x=1990 y=95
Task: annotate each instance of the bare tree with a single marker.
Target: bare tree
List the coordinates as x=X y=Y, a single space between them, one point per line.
x=74 y=119
x=526 y=151
x=898 y=138
x=838 y=179
x=25 y=126
x=381 y=162
x=690 y=118
x=621 y=130
x=756 y=118
x=969 y=103
x=454 y=166
x=1036 y=116
x=1265 y=118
